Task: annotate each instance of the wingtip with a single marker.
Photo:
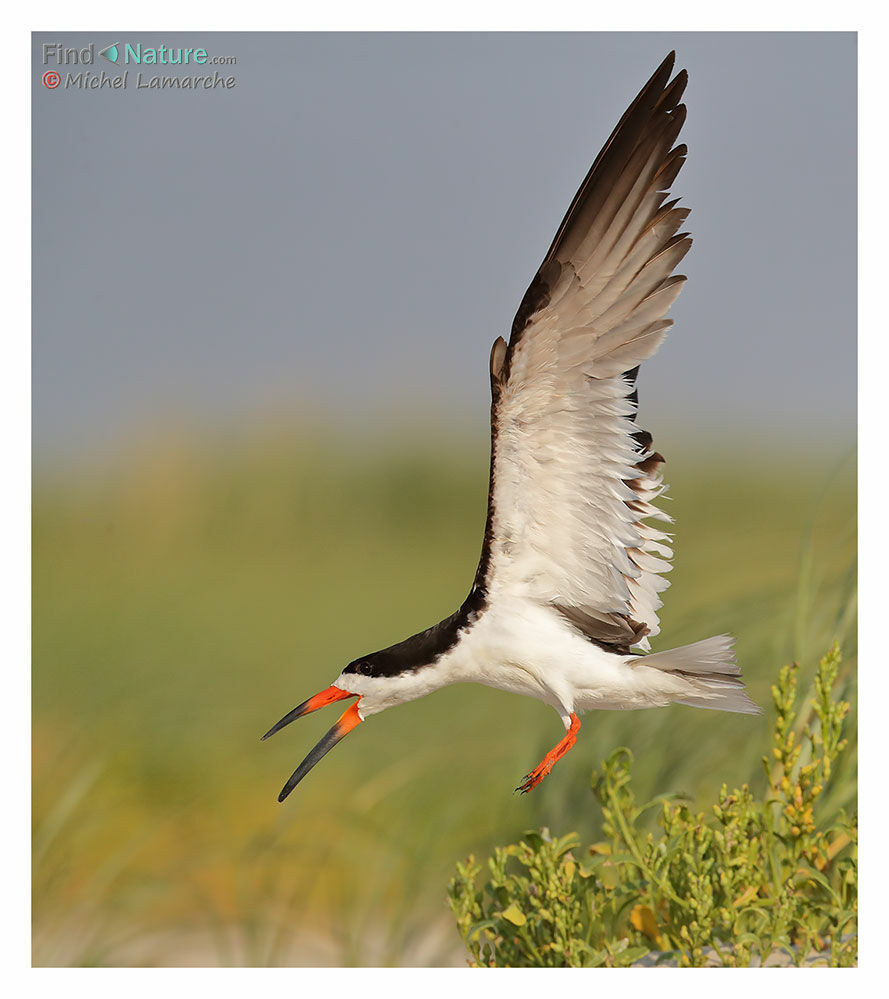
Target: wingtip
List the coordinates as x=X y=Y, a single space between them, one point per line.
x=672 y=90
x=667 y=66
x=661 y=76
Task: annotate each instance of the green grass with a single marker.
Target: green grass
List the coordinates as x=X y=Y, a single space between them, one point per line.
x=184 y=602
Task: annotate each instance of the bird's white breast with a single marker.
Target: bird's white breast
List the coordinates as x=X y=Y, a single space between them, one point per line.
x=524 y=647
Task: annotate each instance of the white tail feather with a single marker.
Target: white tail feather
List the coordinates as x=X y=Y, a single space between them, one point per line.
x=710 y=668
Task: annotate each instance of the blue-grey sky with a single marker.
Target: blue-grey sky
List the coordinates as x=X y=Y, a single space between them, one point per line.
x=345 y=232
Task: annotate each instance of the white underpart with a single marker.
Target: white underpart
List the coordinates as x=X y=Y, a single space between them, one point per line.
x=522 y=647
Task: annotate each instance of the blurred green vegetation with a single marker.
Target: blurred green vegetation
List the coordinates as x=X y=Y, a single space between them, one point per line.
x=187 y=598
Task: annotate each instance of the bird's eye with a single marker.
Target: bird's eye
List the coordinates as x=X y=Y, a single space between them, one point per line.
x=365 y=668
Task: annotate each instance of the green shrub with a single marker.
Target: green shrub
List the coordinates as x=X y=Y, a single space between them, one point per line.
x=738 y=884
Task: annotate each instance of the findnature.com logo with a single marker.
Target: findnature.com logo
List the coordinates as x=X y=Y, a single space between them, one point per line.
x=132 y=54
x=124 y=54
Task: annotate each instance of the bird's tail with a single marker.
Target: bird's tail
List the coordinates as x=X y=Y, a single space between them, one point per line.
x=712 y=672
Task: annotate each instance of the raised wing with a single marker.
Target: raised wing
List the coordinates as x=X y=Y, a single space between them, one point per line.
x=572 y=478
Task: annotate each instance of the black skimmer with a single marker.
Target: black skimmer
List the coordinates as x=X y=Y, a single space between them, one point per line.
x=565 y=597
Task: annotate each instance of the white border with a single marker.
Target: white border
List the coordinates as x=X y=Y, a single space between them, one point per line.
x=15 y=402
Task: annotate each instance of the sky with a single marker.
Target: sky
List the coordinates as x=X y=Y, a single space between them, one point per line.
x=338 y=238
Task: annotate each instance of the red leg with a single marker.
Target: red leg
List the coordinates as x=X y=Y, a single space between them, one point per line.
x=552 y=757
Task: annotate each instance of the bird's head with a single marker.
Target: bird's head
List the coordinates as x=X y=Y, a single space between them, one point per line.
x=376 y=686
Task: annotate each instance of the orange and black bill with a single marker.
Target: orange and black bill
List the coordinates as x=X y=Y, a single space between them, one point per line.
x=348 y=720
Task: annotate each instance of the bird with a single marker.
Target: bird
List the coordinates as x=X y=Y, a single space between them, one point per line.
x=564 y=601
